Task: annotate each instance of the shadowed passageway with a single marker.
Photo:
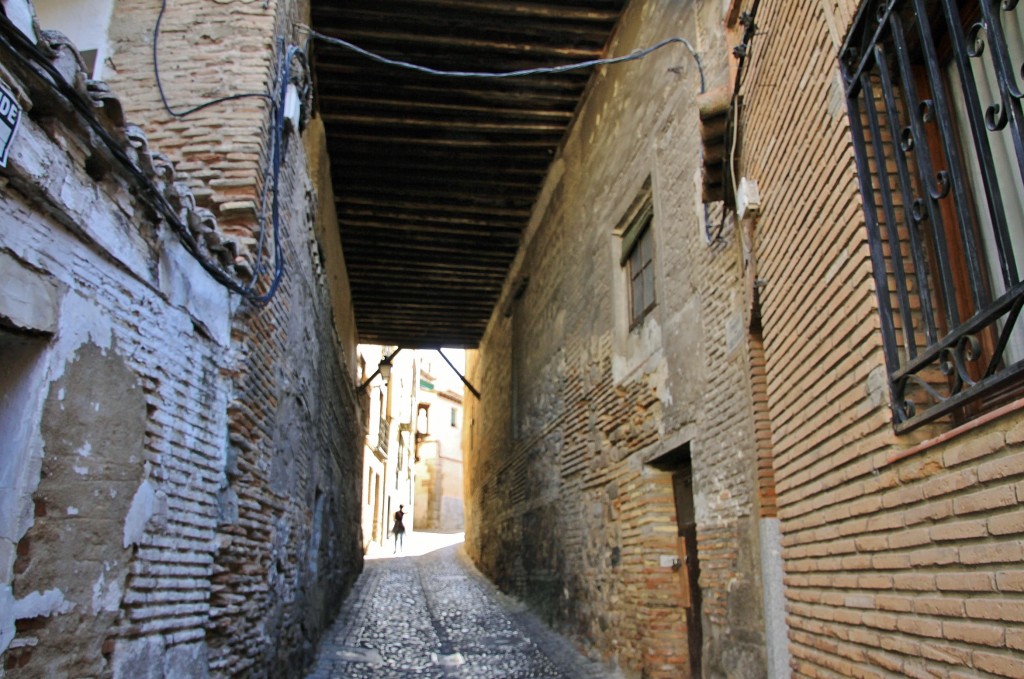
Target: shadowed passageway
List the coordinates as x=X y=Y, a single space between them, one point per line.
x=428 y=613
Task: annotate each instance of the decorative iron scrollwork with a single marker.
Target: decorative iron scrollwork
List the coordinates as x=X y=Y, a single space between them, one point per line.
x=995 y=117
x=955 y=363
x=942 y=241
x=907 y=140
x=975 y=41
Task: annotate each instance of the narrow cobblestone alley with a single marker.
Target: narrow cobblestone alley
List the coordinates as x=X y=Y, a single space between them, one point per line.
x=430 y=613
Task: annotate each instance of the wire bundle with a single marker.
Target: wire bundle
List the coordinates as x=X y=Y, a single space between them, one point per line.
x=19 y=46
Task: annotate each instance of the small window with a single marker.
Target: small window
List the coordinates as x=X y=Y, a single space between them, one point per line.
x=937 y=129
x=638 y=259
x=85 y=22
x=455 y=417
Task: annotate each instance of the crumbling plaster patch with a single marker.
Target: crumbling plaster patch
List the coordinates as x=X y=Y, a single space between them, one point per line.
x=147 y=503
x=81 y=322
x=6 y=617
x=33 y=605
x=188 y=286
x=21 y=381
x=42 y=605
x=150 y=658
x=30 y=300
x=77 y=559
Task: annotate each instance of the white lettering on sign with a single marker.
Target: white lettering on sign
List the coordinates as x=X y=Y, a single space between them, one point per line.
x=10 y=116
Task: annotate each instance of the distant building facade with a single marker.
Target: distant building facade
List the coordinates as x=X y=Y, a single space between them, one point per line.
x=439 y=477
x=179 y=465
x=390 y=447
x=413 y=452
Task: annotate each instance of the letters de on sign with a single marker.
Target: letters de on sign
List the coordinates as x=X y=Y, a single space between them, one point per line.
x=10 y=116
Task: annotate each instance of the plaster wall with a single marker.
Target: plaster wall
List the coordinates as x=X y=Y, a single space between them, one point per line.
x=180 y=492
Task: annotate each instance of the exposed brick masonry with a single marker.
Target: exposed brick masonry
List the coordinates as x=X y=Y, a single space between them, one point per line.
x=241 y=486
x=564 y=509
x=908 y=568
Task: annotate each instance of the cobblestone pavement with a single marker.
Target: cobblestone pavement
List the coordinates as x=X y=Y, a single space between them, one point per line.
x=434 y=615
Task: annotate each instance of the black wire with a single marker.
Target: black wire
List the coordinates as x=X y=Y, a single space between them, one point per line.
x=19 y=46
x=639 y=54
x=276 y=143
x=160 y=87
x=276 y=162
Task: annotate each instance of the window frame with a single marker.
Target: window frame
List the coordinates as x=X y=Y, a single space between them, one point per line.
x=958 y=368
x=636 y=237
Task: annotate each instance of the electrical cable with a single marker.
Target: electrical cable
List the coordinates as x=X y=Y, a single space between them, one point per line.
x=158 y=202
x=633 y=56
x=258 y=262
x=19 y=46
x=740 y=51
x=159 y=83
x=279 y=142
x=749 y=31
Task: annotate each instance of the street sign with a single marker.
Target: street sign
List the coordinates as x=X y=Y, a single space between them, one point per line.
x=10 y=116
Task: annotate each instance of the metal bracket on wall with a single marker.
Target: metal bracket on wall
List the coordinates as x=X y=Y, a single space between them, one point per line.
x=461 y=377
x=386 y=361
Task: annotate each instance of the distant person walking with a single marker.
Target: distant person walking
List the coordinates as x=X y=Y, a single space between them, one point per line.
x=399 y=528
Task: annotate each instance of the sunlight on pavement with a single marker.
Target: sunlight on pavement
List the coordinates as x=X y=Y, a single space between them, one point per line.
x=415 y=544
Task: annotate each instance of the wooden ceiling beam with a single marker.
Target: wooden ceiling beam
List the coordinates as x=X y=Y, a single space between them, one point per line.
x=407 y=160
x=484 y=276
x=464 y=197
x=463 y=174
x=445 y=224
x=463 y=211
x=376 y=238
x=361 y=101
x=401 y=229
x=506 y=8
x=508 y=145
x=550 y=130
x=496 y=255
x=394 y=40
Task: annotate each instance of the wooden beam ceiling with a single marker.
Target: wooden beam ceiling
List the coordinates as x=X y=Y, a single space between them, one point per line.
x=435 y=177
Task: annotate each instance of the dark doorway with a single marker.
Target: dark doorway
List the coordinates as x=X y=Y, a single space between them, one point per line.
x=678 y=464
x=686 y=521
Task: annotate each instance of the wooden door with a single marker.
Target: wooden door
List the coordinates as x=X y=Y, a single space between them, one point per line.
x=689 y=565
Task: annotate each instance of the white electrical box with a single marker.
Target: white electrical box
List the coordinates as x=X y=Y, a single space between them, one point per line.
x=292 y=107
x=748 y=199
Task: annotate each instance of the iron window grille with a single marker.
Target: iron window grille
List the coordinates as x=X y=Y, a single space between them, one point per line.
x=934 y=97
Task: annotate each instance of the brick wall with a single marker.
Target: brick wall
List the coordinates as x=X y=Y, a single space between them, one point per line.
x=208 y=51
x=570 y=505
x=288 y=544
x=181 y=498
x=902 y=557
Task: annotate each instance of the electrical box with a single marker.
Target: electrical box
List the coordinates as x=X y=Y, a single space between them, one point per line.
x=292 y=107
x=748 y=199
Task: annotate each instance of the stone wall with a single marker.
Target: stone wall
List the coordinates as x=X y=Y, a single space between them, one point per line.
x=572 y=447
x=903 y=553
x=181 y=495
